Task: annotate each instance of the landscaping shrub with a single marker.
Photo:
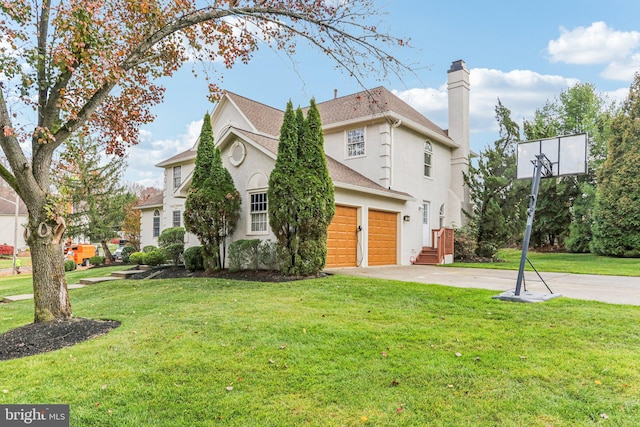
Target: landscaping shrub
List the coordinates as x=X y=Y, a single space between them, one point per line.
x=268 y=253
x=171 y=240
x=126 y=253
x=149 y=248
x=464 y=246
x=70 y=265
x=174 y=253
x=136 y=258
x=96 y=260
x=244 y=254
x=156 y=257
x=193 y=259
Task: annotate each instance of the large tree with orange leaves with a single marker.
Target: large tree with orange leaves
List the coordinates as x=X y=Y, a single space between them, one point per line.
x=71 y=66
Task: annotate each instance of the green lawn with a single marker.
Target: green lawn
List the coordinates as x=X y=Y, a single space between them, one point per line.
x=562 y=263
x=337 y=351
x=23 y=283
x=7 y=262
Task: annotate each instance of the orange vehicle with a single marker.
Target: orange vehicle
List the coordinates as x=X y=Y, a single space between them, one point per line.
x=79 y=253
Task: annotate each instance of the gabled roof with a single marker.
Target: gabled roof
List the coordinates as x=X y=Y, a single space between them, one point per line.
x=368 y=104
x=371 y=103
x=153 y=201
x=183 y=157
x=266 y=119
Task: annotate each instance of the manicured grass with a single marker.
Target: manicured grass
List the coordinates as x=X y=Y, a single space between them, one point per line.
x=562 y=263
x=337 y=351
x=7 y=262
x=23 y=283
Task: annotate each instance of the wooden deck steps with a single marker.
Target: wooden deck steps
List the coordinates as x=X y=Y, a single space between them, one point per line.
x=428 y=256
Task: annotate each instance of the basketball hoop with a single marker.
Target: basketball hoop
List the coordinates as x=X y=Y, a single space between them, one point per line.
x=552 y=157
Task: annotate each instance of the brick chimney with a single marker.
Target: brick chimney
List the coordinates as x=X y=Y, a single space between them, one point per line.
x=458 y=90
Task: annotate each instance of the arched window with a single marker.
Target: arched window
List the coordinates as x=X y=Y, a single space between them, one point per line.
x=428 y=154
x=156 y=223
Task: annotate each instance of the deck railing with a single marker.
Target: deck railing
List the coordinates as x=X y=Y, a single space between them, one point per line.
x=443 y=241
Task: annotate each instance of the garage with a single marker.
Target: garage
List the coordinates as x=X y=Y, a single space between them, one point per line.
x=383 y=238
x=342 y=240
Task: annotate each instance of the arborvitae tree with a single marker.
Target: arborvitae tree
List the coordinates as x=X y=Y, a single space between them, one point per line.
x=497 y=217
x=92 y=190
x=212 y=207
x=301 y=202
x=318 y=206
x=285 y=191
x=616 y=230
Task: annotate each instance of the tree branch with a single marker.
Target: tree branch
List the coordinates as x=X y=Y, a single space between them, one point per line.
x=43 y=31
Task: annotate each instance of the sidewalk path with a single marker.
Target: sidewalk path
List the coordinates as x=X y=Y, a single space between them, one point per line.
x=611 y=289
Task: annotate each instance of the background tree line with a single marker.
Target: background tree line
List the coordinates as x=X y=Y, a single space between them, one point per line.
x=597 y=212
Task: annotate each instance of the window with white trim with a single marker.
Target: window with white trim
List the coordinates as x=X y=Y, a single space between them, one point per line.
x=156 y=223
x=177 y=176
x=177 y=218
x=428 y=155
x=258 y=210
x=355 y=142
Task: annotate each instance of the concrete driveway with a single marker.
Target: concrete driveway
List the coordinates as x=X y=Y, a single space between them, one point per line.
x=611 y=289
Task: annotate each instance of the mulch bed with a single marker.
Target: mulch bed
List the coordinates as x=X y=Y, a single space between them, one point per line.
x=36 y=338
x=247 y=275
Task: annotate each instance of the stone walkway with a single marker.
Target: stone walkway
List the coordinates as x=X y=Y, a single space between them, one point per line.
x=116 y=275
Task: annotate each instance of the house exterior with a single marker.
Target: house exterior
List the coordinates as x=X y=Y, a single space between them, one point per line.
x=12 y=223
x=150 y=219
x=398 y=177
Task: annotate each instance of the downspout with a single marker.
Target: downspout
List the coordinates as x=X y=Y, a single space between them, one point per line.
x=394 y=125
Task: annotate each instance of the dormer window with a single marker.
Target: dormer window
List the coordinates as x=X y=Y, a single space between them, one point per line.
x=428 y=155
x=355 y=143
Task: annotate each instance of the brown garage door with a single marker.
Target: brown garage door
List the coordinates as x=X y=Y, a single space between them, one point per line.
x=342 y=240
x=383 y=239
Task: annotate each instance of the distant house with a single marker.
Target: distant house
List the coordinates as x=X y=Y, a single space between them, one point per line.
x=8 y=221
x=150 y=215
x=398 y=177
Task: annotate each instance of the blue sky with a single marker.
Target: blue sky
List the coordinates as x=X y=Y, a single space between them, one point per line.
x=523 y=53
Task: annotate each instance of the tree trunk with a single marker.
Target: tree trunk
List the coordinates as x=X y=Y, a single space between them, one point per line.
x=50 y=293
x=108 y=256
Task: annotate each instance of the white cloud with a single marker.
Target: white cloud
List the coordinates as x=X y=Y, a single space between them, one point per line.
x=149 y=152
x=597 y=44
x=623 y=69
x=521 y=91
x=618 y=95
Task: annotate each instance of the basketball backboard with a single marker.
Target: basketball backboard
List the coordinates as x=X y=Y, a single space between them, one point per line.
x=567 y=155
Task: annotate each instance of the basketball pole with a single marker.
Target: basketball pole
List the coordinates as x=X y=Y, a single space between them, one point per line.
x=541 y=162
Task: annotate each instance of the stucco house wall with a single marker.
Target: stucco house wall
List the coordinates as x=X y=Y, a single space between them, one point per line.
x=387 y=178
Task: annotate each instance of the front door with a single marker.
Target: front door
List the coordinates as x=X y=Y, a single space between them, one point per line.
x=426 y=230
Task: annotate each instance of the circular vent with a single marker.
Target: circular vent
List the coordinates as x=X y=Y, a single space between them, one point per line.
x=237 y=153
